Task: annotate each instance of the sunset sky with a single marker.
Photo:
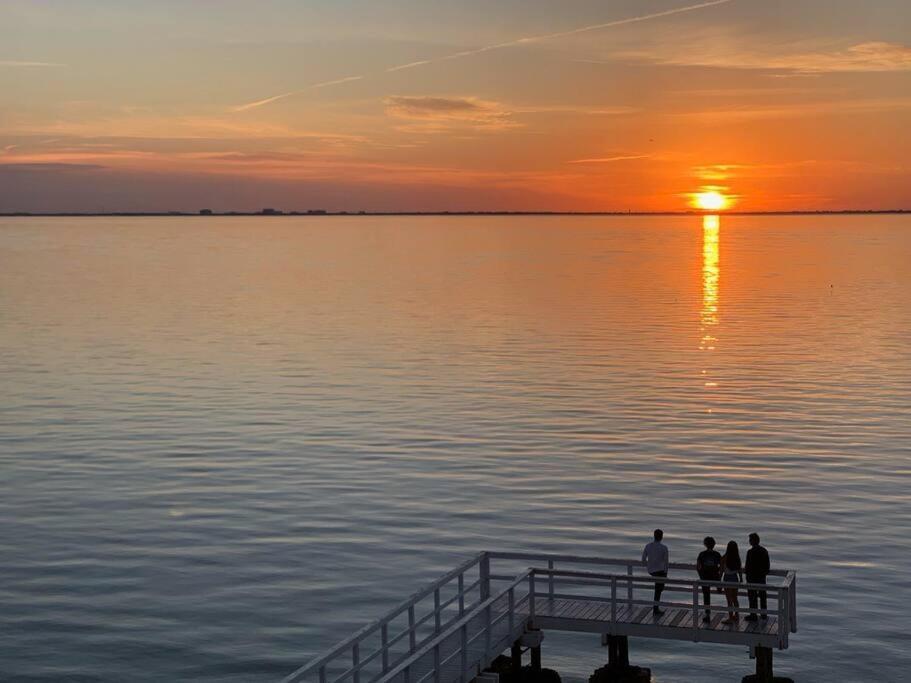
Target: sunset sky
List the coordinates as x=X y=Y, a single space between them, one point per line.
x=129 y=105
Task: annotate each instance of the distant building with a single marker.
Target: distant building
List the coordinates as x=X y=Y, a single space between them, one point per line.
x=205 y=212
x=316 y=212
x=270 y=212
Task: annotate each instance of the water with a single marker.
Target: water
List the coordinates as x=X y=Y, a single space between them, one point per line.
x=226 y=443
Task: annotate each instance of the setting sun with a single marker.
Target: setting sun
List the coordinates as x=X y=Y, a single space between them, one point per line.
x=710 y=201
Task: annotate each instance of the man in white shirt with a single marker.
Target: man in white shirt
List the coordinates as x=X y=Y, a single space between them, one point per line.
x=655 y=557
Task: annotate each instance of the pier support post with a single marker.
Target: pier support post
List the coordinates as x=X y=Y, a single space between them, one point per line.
x=764 y=665
x=764 y=672
x=516 y=656
x=532 y=640
x=617 y=650
x=618 y=669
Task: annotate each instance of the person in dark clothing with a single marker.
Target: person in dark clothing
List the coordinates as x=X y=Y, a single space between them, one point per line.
x=732 y=573
x=757 y=568
x=708 y=564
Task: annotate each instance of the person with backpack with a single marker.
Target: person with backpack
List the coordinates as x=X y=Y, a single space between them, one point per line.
x=708 y=564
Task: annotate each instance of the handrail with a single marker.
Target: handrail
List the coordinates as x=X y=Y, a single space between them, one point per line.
x=589 y=559
x=457 y=625
x=667 y=580
x=404 y=606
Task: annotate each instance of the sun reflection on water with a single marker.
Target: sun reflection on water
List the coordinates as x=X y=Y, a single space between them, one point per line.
x=711 y=273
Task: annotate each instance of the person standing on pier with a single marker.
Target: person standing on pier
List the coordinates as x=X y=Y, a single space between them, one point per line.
x=757 y=569
x=708 y=564
x=655 y=557
x=732 y=572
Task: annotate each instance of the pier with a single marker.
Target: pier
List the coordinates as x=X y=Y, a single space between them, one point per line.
x=453 y=629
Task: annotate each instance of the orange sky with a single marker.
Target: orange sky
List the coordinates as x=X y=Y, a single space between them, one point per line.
x=520 y=105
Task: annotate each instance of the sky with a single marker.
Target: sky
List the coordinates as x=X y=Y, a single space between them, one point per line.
x=386 y=105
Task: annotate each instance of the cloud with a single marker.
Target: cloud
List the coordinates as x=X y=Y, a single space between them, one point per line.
x=617 y=110
x=30 y=65
x=446 y=112
x=876 y=56
x=872 y=56
x=487 y=48
x=50 y=166
x=834 y=107
x=608 y=160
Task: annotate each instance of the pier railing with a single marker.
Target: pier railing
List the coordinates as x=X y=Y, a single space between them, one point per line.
x=630 y=579
x=453 y=628
x=378 y=647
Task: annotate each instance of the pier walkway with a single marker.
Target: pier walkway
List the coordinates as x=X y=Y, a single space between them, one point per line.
x=451 y=630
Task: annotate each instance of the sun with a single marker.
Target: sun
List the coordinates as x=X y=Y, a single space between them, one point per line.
x=710 y=200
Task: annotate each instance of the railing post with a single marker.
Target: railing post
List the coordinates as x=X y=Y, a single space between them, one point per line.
x=629 y=586
x=407 y=673
x=511 y=606
x=550 y=580
x=436 y=663
x=384 y=643
x=355 y=660
x=783 y=626
x=322 y=674
x=484 y=570
x=531 y=598
x=436 y=611
x=613 y=601
x=696 y=608
x=487 y=631
x=463 y=646
x=461 y=594
x=792 y=589
x=412 y=637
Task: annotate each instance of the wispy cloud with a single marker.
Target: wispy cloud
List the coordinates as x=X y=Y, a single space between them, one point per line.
x=29 y=65
x=834 y=107
x=488 y=48
x=440 y=113
x=608 y=160
x=874 y=56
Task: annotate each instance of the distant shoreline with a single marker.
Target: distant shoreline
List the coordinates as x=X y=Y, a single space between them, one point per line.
x=313 y=214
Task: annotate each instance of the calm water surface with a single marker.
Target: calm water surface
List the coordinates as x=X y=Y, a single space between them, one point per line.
x=226 y=443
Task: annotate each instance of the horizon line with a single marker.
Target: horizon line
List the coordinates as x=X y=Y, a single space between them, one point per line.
x=315 y=213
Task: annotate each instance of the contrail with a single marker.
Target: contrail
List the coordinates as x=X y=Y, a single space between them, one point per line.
x=488 y=48
x=276 y=98
x=607 y=160
x=562 y=34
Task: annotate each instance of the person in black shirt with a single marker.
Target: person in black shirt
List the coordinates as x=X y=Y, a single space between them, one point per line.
x=757 y=568
x=708 y=564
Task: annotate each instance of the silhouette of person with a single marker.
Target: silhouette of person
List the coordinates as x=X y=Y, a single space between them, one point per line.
x=655 y=557
x=732 y=572
x=757 y=569
x=708 y=564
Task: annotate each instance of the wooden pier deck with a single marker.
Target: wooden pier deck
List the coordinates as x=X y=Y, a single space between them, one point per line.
x=450 y=631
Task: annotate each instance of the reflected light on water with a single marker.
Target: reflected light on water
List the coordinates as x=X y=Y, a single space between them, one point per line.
x=711 y=272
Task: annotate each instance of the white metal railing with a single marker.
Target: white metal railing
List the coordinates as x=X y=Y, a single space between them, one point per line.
x=435 y=636
x=362 y=654
x=780 y=596
x=782 y=593
x=495 y=621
